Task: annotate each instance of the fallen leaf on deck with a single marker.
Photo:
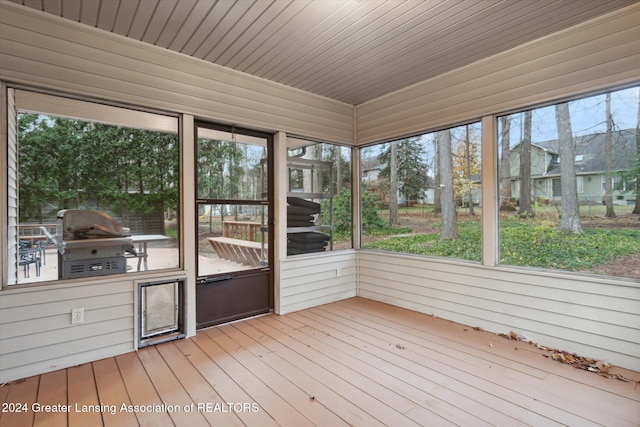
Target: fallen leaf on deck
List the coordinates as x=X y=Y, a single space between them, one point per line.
x=586 y=363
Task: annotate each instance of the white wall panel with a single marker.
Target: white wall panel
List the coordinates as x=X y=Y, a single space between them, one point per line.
x=591 y=316
x=310 y=280
x=598 y=54
x=69 y=57
x=37 y=334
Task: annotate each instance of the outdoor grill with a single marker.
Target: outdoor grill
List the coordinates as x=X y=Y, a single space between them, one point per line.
x=90 y=243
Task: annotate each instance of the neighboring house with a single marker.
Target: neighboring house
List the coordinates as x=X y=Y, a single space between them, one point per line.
x=371 y=169
x=370 y=175
x=590 y=168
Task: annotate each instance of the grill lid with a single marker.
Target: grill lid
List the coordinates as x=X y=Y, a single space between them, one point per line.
x=77 y=224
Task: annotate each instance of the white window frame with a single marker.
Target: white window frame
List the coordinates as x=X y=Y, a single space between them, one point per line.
x=19 y=101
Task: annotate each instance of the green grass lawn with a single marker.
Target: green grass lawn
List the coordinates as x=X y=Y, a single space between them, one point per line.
x=467 y=246
x=542 y=245
x=532 y=243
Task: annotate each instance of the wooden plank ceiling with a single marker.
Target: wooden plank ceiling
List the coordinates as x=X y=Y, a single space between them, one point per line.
x=348 y=50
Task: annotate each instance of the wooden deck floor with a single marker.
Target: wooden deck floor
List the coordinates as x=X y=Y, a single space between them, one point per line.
x=354 y=362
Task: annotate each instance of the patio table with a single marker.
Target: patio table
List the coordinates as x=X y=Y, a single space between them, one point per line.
x=142 y=241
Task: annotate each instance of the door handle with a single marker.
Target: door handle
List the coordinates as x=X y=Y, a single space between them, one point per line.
x=207 y=280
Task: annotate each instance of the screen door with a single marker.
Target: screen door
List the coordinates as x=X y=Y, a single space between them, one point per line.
x=233 y=185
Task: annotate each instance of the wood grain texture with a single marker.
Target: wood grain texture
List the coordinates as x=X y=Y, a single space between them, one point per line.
x=355 y=362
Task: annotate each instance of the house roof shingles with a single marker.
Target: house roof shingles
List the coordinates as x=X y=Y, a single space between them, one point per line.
x=590 y=152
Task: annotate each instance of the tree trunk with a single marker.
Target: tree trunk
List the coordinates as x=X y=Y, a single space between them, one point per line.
x=447 y=198
x=317 y=155
x=467 y=158
x=636 y=208
x=337 y=155
x=570 y=213
x=311 y=177
x=437 y=205
x=608 y=186
x=393 y=185
x=505 y=165
x=246 y=186
x=526 y=211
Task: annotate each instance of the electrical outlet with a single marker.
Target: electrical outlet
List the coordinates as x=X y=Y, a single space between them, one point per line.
x=77 y=316
x=338 y=272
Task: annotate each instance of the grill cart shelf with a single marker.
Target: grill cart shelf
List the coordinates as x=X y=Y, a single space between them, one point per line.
x=305 y=231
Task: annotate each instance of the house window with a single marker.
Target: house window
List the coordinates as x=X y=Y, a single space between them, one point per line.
x=95 y=190
x=585 y=226
x=422 y=194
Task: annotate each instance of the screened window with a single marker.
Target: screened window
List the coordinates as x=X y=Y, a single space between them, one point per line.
x=96 y=190
x=319 y=209
x=422 y=194
x=232 y=200
x=567 y=194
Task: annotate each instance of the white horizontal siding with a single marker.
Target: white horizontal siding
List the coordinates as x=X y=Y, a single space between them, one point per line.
x=43 y=50
x=310 y=280
x=590 y=316
x=597 y=54
x=36 y=331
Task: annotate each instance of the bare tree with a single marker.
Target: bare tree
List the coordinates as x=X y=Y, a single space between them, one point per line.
x=393 y=185
x=447 y=197
x=437 y=205
x=608 y=186
x=337 y=155
x=505 y=164
x=636 y=208
x=467 y=158
x=570 y=213
x=526 y=210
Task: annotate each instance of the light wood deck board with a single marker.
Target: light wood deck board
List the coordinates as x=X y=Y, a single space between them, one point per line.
x=141 y=390
x=283 y=359
x=439 y=396
x=558 y=380
x=526 y=359
x=197 y=386
x=112 y=391
x=82 y=394
x=169 y=388
x=423 y=375
x=232 y=341
x=481 y=385
x=380 y=375
x=196 y=351
x=22 y=393
x=324 y=368
x=52 y=390
x=282 y=411
x=354 y=362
